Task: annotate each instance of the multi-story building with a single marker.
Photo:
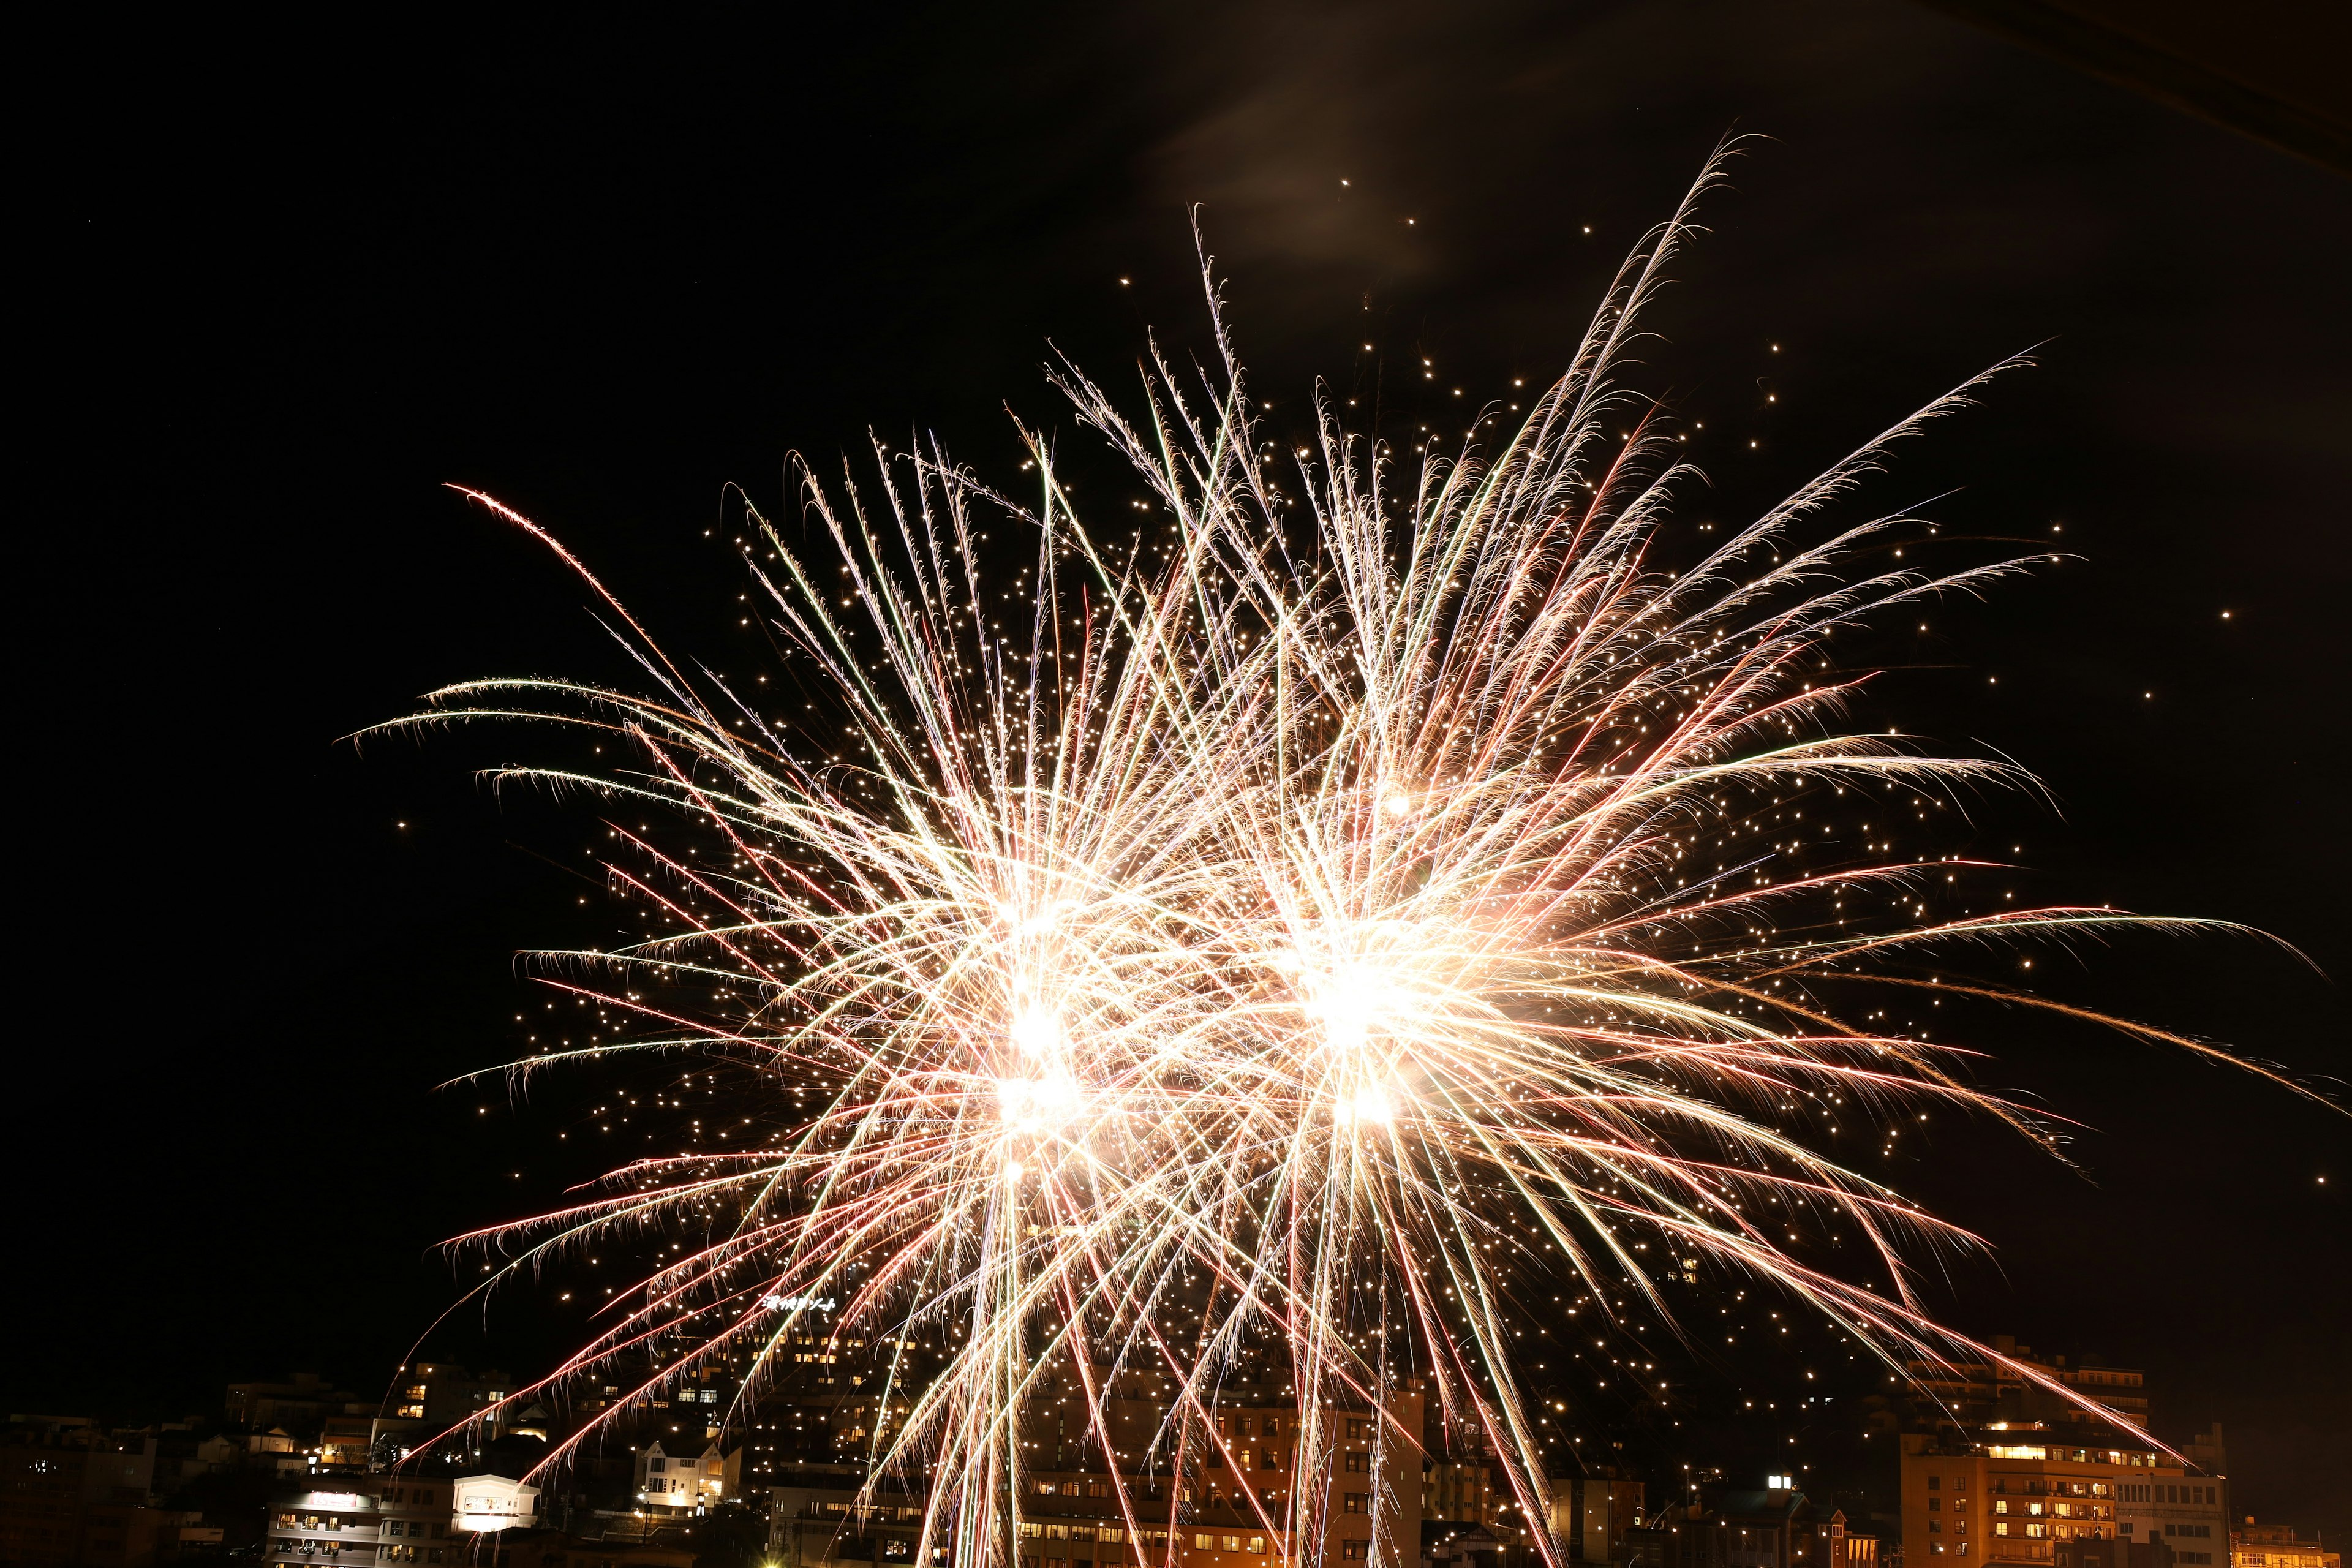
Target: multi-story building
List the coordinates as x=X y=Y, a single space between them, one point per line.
x=1590 y=1516
x=2009 y=1493
x=824 y=1396
x=1238 y=1501
x=1999 y=1468
x=1246 y=1503
x=440 y=1393
x=2253 y=1545
x=414 y=1522
x=1980 y=1394
x=299 y=1407
x=392 y=1518
x=2114 y=1552
x=806 y=1515
x=2188 y=1511
x=42 y=1471
x=72 y=1492
x=1460 y=1491
x=361 y=1519
x=327 y=1523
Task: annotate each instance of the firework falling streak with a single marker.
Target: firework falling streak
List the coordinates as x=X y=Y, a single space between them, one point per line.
x=1287 y=929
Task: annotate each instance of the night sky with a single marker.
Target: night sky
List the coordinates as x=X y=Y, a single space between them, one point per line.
x=282 y=286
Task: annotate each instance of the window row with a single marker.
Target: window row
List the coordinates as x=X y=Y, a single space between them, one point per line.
x=1055 y=1530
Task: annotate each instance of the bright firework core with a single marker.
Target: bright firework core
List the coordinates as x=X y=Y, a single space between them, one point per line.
x=1278 y=940
x=1365 y=1018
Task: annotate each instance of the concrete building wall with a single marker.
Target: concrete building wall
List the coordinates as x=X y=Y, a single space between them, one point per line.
x=2189 y=1513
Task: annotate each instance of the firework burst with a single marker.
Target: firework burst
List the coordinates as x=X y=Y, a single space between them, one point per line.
x=1282 y=929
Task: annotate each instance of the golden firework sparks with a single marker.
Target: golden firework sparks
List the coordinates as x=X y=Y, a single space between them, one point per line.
x=1323 y=906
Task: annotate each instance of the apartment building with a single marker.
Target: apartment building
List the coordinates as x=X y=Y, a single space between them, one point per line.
x=439 y=1394
x=363 y=1518
x=412 y=1518
x=2010 y=1494
x=1239 y=1499
x=813 y=1509
x=1983 y=1393
x=72 y=1492
x=390 y=1518
x=2253 y=1545
x=2004 y=1469
x=2188 y=1511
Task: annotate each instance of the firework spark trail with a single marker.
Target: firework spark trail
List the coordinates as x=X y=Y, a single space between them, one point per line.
x=1302 y=923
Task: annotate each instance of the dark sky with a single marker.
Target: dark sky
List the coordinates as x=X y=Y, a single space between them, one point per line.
x=282 y=284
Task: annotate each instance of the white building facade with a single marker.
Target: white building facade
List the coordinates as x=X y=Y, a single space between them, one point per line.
x=685 y=1483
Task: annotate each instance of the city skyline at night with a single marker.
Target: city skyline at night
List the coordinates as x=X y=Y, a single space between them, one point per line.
x=680 y=302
